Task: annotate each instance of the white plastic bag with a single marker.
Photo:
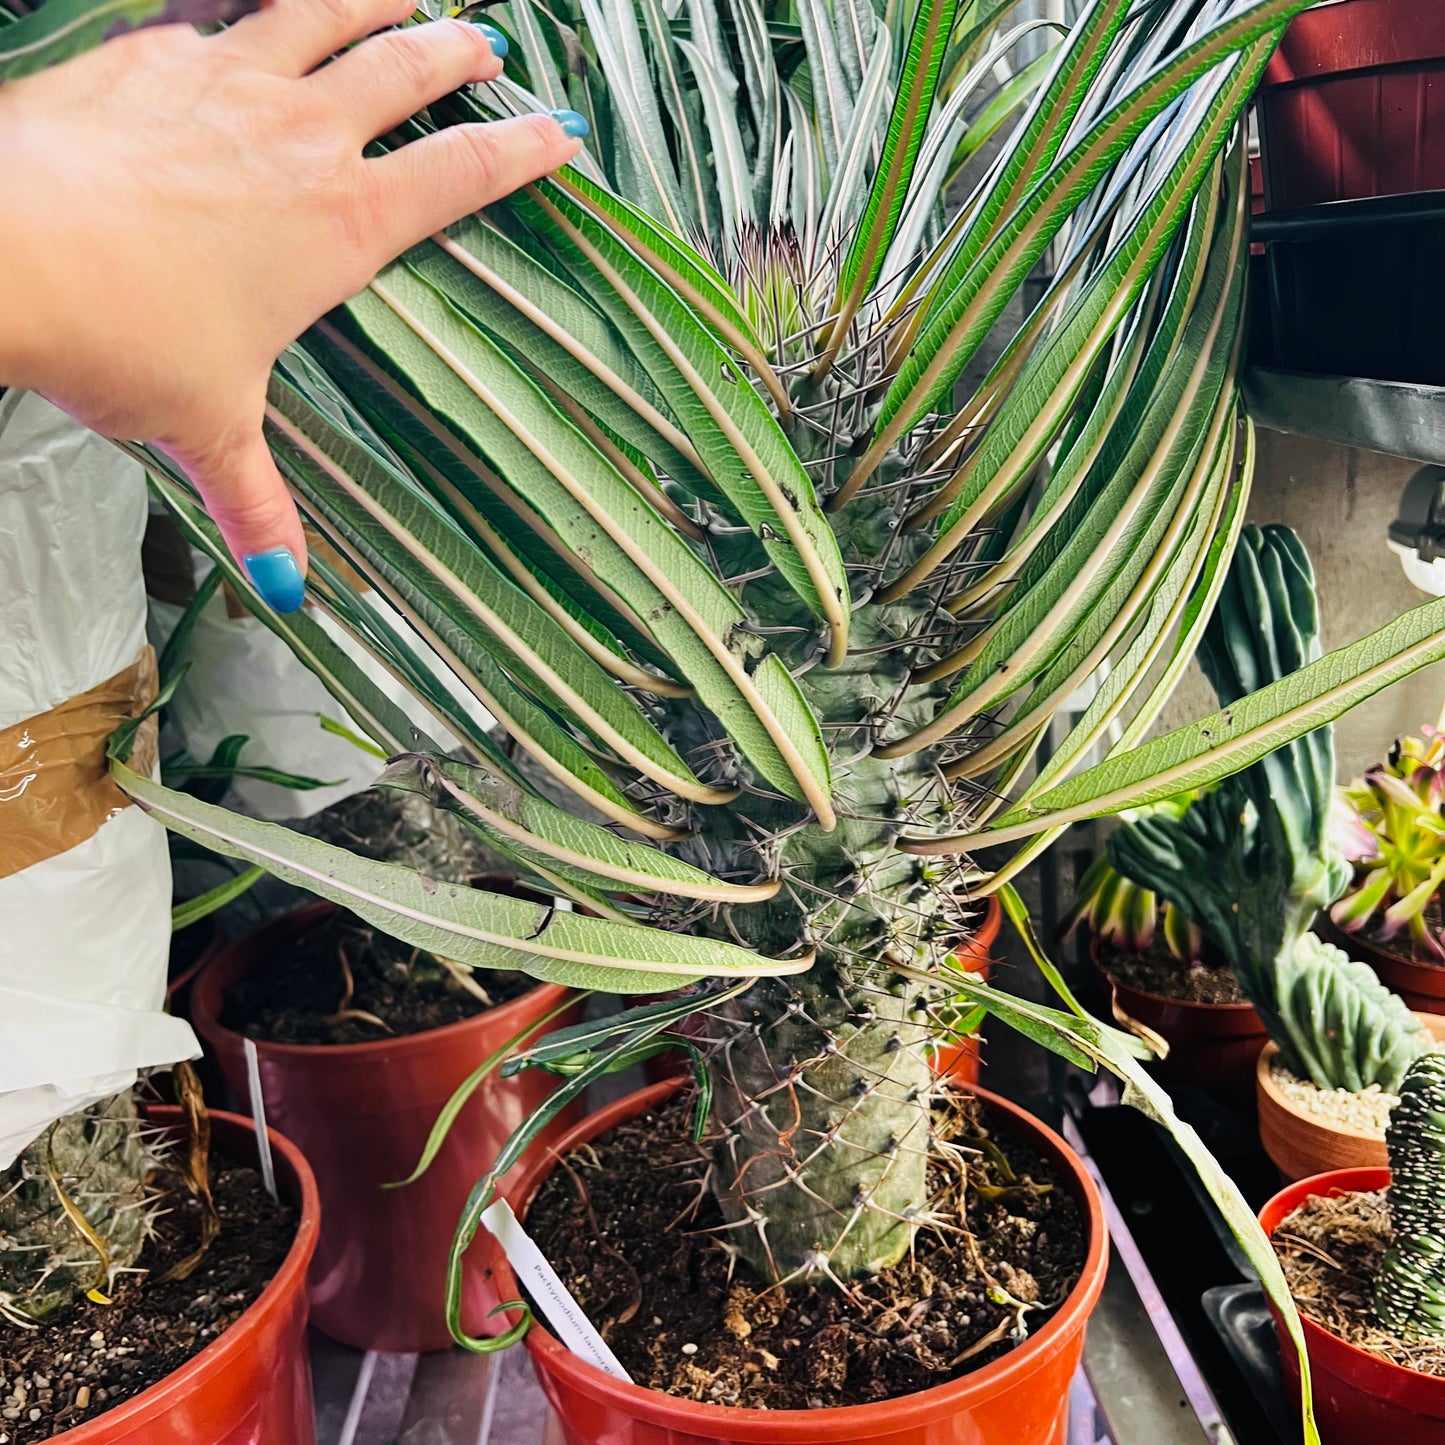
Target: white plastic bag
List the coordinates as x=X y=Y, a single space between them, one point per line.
x=84 y=933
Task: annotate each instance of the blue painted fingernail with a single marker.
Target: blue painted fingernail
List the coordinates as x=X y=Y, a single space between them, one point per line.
x=495 y=39
x=573 y=124
x=277 y=578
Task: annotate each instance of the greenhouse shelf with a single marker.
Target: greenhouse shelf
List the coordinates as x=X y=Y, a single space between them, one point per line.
x=1399 y=418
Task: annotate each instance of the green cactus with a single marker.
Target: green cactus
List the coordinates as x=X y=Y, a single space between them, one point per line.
x=92 y=1165
x=1410 y=1292
x=1252 y=863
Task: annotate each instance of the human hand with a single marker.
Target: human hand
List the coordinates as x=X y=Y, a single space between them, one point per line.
x=180 y=208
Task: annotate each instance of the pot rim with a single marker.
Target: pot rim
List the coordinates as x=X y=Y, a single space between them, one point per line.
x=1366 y=944
x=1339 y=1181
x=1265 y=1077
x=1240 y=1008
x=289 y=1280
x=1434 y=1024
x=206 y=995
x=800 y=1426
x=1347 y=37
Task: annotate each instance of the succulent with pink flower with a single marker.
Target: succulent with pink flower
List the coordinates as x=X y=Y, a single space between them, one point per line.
x=1391 y=825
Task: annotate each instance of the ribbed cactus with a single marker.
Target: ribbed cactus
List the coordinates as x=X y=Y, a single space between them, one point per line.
x=1410 y=1292
x=1342 y=1023
x=1252 y=863
x=92 y=1166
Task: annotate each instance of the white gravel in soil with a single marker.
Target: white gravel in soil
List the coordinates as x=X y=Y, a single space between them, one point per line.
x=1368 y=1111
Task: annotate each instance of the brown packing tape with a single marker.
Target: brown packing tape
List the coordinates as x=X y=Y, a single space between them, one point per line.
x=55 y=789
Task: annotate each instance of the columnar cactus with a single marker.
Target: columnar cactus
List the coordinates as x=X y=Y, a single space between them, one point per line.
x=73 y=1209
x=1252 y=862
x=1410 y=1292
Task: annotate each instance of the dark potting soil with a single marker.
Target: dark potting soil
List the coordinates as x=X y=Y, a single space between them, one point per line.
x=90 y=1357
x=1157 y=971
x=1331 y=1250
x=342 y=982
x=623 y=1225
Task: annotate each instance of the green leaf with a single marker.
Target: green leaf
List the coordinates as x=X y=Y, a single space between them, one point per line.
x=571 y=846
x=64 y=28
x=1200 y=754
x=739 y=440
x=463 y=378
x=468 y=925
x=193 y=910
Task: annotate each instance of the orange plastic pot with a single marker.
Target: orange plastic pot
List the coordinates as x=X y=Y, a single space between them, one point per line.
x=1021 y=1399
x=361 y=1113
x=1360 y=1399
x=963 y=1061
x=1421 y=985
x=1212 y=1046
x=252 y=1386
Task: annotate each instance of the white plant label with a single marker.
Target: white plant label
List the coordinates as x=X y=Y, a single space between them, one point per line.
x=553 y=1297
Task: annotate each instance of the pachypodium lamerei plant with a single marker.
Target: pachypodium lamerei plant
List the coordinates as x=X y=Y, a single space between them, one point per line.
x=1410 y=1292
x=1395 y=820
x=1125 y=915
x=1253 y=862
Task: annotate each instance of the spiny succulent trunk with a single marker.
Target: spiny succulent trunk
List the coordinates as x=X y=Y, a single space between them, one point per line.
x=821 y=1106
x=96 y=1161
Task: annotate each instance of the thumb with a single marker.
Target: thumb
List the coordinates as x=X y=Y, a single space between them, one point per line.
x=249 y=502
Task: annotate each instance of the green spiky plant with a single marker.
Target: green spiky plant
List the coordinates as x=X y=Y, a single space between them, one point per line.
x=680 y=463
x=1253 y=862
x=1410 y=1291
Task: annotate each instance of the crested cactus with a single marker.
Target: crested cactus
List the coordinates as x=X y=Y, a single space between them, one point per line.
x=1410 y=1292
x=73 y=1209
x=1252 y=862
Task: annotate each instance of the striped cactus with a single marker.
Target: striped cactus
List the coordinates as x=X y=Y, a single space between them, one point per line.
x=1410 y=1292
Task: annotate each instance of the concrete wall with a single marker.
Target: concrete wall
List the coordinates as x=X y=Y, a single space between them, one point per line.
x=1340 y=502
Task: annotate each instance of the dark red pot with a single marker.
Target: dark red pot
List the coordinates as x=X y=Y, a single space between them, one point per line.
x=1353 y=103
x=1212 y=1046
x=1021 y=1399
x=1360 y=1399
x=252 y=1386
x=209 y=939
x=1421 y=985
x=361 y=1113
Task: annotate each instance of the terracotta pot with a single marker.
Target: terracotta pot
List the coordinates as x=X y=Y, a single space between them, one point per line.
x=362 y=1113
x=1021 y=1399
x=963 y=1061
x=1212 y=1046
x=1302 y=1145
x=252 y=1386
x=1421 y=985
x=1360 y=1399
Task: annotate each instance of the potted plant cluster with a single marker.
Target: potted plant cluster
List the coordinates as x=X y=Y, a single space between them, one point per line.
x=1252 y=862
x=1158 y=970
x=1393 y=917
x=1365 y=1257
x=662 y=459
